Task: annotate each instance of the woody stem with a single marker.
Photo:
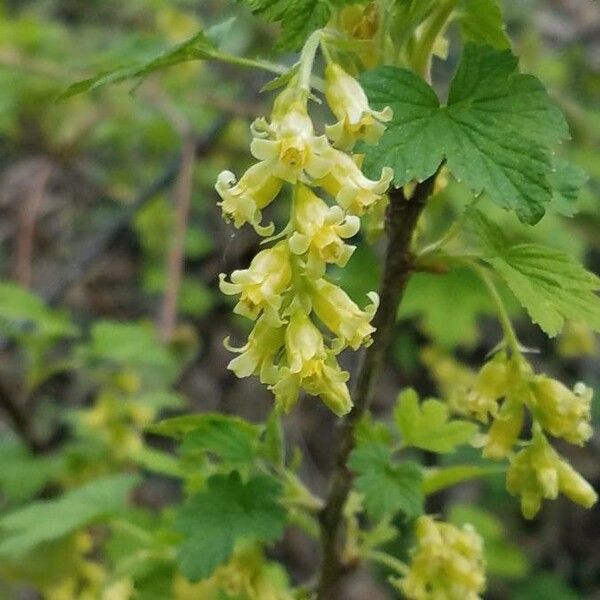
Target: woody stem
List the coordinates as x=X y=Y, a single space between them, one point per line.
x=401 y=220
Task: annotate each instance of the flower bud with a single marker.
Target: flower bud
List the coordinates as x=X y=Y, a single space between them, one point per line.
x=349 y=103
x=538 y=472
x=561 y=412
x=342 y=316
x=447 y=563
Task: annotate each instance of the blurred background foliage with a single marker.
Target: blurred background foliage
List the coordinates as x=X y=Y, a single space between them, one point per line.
x=91 y=354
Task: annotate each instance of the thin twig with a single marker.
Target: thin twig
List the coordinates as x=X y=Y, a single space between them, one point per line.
x=96 y=248
x=176 y=257
x=30 y=209
x=401 y=220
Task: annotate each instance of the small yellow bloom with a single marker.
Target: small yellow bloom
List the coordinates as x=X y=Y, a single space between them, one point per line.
x=310 y=366
x=261 y=285
x=538 y=472
x=561 y=412
x=505 y=430
x=447 y=563
x=349 y=103
x=352 y=190
x=256 y=357
x=289 y=146
x=243 y=201
x=320 y=231
x=491 y=384
x=342 y=316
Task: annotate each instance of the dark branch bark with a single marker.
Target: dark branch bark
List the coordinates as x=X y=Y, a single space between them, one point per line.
x=401 y=220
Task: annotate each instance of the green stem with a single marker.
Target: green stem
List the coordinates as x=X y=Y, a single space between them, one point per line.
x=307 y=59
x=434 y=26
x=388 y=560
x=509 y=333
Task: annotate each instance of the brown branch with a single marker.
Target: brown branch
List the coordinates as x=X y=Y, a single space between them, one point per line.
x=176 y=257
x=401 y=219
x=28 y=217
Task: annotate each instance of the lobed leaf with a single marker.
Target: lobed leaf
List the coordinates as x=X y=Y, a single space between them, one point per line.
x=387 y=487
x=226 y=511
x=495 y=132
x=550 y=284
x=427 y=425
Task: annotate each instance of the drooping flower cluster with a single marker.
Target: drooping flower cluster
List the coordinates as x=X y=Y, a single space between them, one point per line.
x=447 y=563
x=285 y=286
x=504 y=390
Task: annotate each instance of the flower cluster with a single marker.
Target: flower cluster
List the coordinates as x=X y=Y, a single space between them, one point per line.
x=504 y=390
x=285 y=287
x=447 y=562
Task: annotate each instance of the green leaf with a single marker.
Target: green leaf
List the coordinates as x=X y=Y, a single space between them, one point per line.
x=438 y=479
x=495 y=132
x=482 y=22
x=198 y=47
x=44 y=521
x=298 y=18
x=387 y=487
x=231 y=439
x=551 y=285
x=228 y=510
x=24 y=313
x=427 y=425
x=427 y=297
x=567 y=180
x=129 y=344
x=22 y=474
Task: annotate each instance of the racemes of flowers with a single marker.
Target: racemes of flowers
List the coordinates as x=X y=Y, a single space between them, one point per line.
x=285 y=290
x=503 y=392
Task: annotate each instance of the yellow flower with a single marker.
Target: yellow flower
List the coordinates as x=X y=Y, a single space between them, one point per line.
x=243 y=201
x=295 y=149
x=349 y=103
x=538 y=472
x=352 y=190
x=447 y=563
x=491 y=384
x=320 y=230
x=261 y=285
x=342 y=316
x=310 y=366
x=256 y=357
x=505 y=429
x=561 y=412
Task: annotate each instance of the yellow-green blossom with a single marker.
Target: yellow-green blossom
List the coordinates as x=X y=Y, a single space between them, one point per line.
x=342 y=316
x=538 y=472
x=257 y=355
x=261 y=285
x=243 y=201
x=309 y=365
x=290 y=147
x=446 y=564
x=491 y=384
x=561 y=412
x=319 y=232
x=505 y=430
x=353 y=190
x=349 y=103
